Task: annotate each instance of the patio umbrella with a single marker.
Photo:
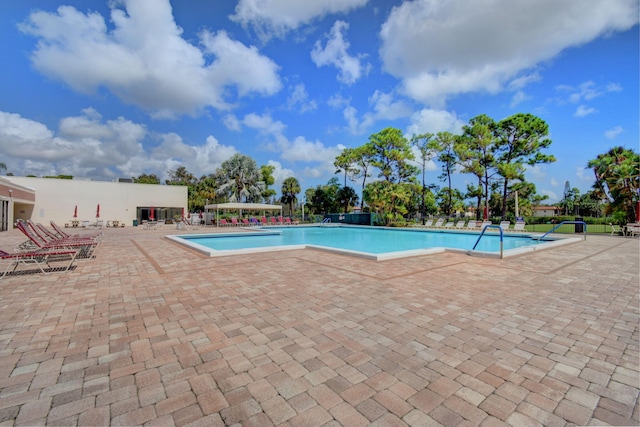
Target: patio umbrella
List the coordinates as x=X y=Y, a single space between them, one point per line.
x=98 y=211
x=75 y=212
x=151 y=215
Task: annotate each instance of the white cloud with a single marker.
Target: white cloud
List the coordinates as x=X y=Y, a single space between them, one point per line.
x=335 y=53
x=518 y=98
x=299 y=99
x=144 y=60
x=384 y=106
x=434 y=121
x=613 y=132
x=583 y=111
x=271 y=18
x=440 y=49
x=585 y=91
x=88 y=145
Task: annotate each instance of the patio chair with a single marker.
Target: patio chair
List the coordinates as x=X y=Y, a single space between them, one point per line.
x=519 y=226
x=37 y=258
x=632 y=230
x=438 y=223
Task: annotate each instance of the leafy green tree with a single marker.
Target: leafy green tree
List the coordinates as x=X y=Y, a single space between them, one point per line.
x=267 y=177
x=570 y=199
x=240 y=179
x=345 y=162
x=290 y=190
x=363 y=158
x=427 y=151
x=389 y=200
x=181 y=176
x=475 y=153
x=520 y=140
x=617 y=174
x=444 y=144
x=391 y=154
x=346 y=197
x=147 y=179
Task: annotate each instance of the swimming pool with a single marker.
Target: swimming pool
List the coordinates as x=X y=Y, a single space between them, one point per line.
x=370 y=242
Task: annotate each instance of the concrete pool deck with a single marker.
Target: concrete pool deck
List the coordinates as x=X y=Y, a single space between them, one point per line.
x=150 y=332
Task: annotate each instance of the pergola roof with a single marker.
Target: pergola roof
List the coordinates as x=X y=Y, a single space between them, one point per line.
x=247 y=206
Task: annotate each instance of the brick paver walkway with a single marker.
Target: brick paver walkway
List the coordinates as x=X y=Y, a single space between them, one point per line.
x=151 y=333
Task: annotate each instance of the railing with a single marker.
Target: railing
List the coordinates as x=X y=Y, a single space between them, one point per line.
x=482 y=234
x=584 y=230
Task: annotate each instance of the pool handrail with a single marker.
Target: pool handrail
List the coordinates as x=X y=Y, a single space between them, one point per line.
x=501 y=237
x=584 y=231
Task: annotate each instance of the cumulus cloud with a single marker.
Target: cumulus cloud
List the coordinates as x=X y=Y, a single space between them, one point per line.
x=145 y=61
x=299 y=99
x=88 y=145
x=441 y=49
x=585 y=91
x=583 y=111
x=270 y=18
x=335 y=53
x=433 y=121
x=384 y=106
x=613 y=132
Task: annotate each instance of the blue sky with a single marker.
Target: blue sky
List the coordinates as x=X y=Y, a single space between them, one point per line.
x=104 y=88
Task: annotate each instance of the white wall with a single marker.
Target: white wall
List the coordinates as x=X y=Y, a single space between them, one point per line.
x=56 y=198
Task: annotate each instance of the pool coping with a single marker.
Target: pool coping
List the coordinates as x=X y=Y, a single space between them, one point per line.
x=550 y=242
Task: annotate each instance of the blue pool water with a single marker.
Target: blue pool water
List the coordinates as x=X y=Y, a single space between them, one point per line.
x=369 y=240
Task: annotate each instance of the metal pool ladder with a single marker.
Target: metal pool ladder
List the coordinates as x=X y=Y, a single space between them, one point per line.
x=482 y=234
x=584 y=231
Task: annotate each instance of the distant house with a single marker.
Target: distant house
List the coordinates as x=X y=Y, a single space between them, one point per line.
x=545 y=211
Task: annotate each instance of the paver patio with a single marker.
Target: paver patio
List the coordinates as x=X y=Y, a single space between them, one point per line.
x=152 y=333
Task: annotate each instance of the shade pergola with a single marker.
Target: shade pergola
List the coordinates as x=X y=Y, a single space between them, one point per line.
x=240 y=207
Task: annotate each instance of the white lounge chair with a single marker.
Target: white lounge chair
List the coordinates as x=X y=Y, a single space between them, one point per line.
x=519 y=226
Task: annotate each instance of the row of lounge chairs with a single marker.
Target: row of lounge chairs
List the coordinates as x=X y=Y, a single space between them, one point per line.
x=471 y=225
x=256 y=222
x=44 y=246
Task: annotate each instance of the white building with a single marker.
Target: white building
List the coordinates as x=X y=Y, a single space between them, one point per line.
x=46 y=199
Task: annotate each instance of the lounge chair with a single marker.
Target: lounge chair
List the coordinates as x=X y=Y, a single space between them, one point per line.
x=519 y=226
x=85 y=247
x=632 y=230
x=483 y=224
x=37 y=258
x=63 y=234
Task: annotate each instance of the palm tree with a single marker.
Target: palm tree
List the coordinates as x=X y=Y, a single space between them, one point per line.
x=240 y=178
x=290 y=189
